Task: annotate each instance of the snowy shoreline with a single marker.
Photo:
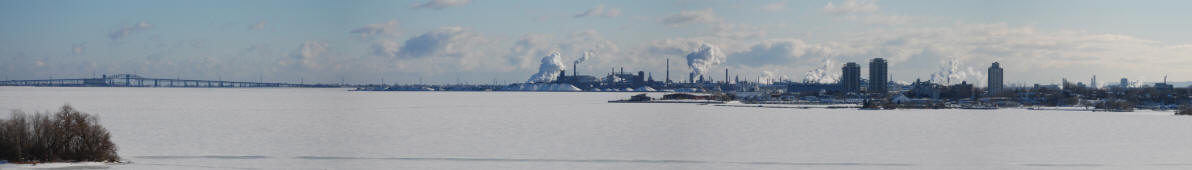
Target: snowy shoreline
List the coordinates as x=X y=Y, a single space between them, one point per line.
x=60 y=165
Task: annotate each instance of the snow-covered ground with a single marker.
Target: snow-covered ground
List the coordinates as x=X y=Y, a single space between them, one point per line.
x=278 y=128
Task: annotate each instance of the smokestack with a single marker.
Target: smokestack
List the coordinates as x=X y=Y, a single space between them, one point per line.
x=667 y=70
x=582 y=57
x=725 y=75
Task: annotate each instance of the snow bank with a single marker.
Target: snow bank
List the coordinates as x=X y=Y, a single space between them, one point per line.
x=644 y=88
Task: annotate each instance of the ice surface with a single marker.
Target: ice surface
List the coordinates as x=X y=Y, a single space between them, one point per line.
x=282 y=128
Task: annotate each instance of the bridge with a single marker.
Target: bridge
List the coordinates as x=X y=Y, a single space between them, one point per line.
x=131 y=80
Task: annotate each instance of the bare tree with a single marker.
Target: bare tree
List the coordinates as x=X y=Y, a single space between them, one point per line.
x=68 y=135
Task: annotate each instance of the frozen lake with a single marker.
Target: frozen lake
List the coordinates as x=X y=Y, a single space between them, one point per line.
x=277 y=128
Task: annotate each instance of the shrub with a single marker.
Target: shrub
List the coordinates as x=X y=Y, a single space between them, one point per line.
x=68 y=135
x=1184 y=110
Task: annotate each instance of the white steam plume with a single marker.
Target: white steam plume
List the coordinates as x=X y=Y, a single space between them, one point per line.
x=768 y=77
x=587 y=55
x=822 y=75
x=706 y=56
x=550 y=69
x=950 y=71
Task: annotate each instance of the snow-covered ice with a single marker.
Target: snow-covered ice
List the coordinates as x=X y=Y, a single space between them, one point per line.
x=283 y=128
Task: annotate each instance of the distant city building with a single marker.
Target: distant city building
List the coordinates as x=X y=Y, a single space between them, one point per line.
x=878 y=82
x=850 y=81
x=995 y=79
x=1125 y=83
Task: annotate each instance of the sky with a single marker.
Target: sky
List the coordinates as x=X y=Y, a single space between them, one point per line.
x=488 y=41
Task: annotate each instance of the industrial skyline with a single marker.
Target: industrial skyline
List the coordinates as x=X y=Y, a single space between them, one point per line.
x=444 y=42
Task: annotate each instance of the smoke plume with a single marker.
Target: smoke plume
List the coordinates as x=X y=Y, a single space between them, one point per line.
x=550 y=69
x=587 y=55
x=950 y=71
x=768 y=77
x=706 y=56
x=822 y=74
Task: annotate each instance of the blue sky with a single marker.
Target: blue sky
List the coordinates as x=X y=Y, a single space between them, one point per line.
x=484 y=41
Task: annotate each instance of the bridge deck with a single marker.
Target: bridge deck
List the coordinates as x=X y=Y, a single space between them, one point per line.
x=137 y=81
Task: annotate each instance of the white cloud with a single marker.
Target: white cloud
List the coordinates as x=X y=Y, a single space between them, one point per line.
x=687 y=17
x=385 y=48
x=448 y=49
x=850 y=7
x=774 y=7
x=440 y=42
x=258 y=26
x=525 y=48
x=313 y=55
x=382 y=36
x=440 y=4
x=599 y=10
x=256 y=51
x=864 y=11
x=78 y=48
x=372 y=31
x=772 y=52
x=884 y=19
x=529 y=48
x=127 y=30
x=310 y=52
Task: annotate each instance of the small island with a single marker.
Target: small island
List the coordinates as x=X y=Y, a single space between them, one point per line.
x=65 y=136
